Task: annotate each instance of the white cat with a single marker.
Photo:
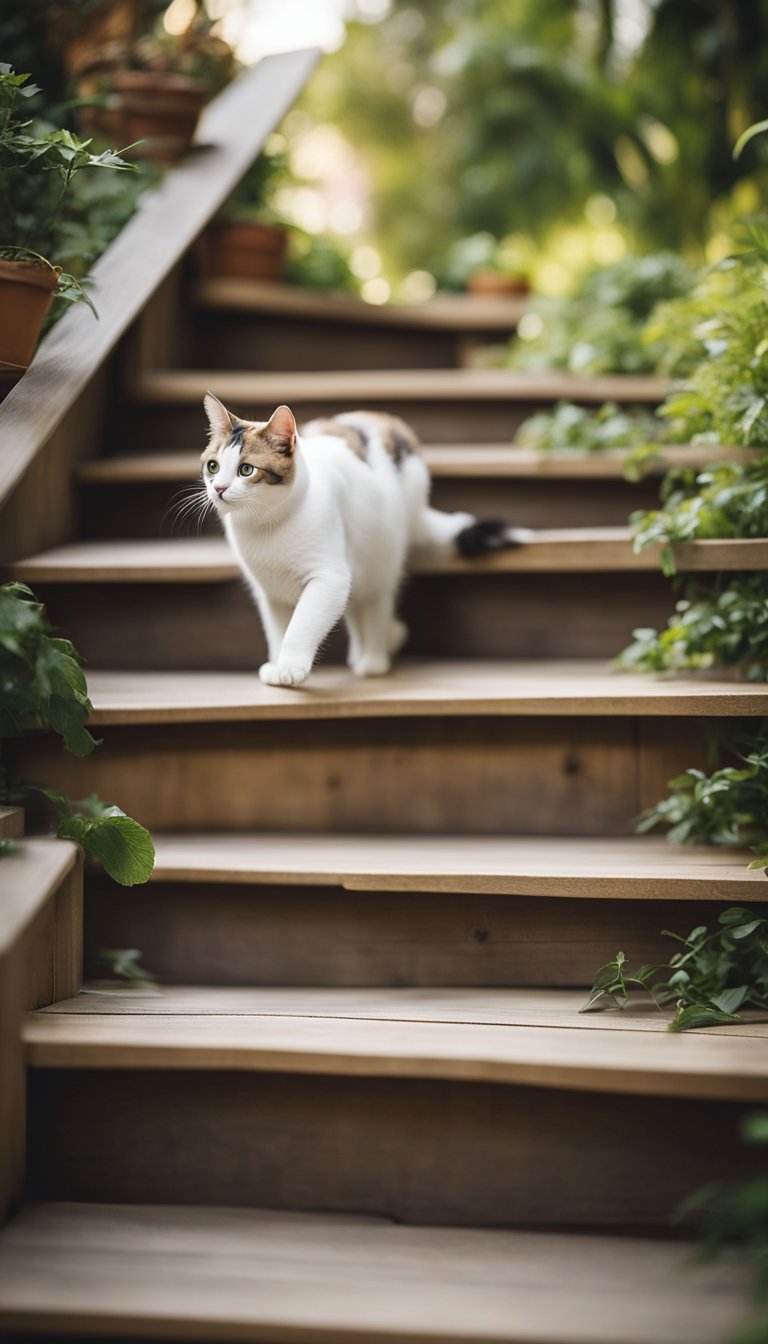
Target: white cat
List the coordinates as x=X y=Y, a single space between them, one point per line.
x=322 y=524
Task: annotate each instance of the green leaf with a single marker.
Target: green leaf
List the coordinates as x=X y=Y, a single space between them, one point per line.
x=697 y=1015
x=122 y=845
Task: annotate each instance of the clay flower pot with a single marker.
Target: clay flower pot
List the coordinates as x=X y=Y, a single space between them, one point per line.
x=160 y=109
x=490 y=283
x=244 y=251
x=26 y=291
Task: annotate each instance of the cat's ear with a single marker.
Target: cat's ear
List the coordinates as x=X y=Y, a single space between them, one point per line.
x=221 y=421
x=282 y=426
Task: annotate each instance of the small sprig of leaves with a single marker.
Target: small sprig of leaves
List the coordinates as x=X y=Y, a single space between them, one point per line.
x=727 y=807
x=712 y=976
x=124 y=964
x=715 y=625
x=729 y=499
x=573 y=429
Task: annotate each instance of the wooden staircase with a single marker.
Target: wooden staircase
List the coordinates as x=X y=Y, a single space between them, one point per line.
x=361 y=1104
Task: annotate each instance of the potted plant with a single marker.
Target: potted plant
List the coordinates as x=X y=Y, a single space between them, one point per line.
x=246 y=240
x=484 y=266
x=154 y=91
x=37 y=168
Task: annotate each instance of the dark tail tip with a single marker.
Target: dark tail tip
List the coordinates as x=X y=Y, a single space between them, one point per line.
x=488 y=535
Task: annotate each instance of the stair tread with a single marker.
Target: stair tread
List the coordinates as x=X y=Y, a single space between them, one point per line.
x=210 y=559
x=524 y=1037
x=29 y=875
x=249 y=391
x=456 y=461
x=634 y=867
x=445 y=312
x=247 y=1274
x=416 y=689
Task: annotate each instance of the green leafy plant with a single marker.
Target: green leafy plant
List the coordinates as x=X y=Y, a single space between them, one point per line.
x=729 y=499
x=717 y=624
x=600 y=328
x=728 y=806
x=38 y=165
x=252 y=198
x=42 y=686
x=573 y=429
x=317 y=263
x=711 y=977
x=732 y=1220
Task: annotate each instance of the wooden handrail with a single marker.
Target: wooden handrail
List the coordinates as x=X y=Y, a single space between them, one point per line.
x=232 y=131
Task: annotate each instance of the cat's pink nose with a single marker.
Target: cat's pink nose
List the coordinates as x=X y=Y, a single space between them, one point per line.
x=220 y=489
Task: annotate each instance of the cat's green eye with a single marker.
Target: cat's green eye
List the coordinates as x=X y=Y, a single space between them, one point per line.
x=245 y=469
x=212 y=467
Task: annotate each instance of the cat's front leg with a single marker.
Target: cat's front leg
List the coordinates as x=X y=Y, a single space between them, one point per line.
x=275 y=618
x=320 y=606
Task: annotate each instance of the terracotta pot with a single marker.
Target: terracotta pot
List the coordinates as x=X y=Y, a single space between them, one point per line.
x=26 y=292
x=489 y=283
x=112 y=24
x=160 y=109
x=246 y=251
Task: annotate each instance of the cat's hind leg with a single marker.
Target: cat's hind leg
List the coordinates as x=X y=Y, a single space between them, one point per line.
x=372 y=623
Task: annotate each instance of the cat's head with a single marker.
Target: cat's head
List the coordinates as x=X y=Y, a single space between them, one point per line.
x=248 y=464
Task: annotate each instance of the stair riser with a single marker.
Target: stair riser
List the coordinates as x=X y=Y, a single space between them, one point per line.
x=265 y=343
x=210 y=934
x=215 y=626
x=539 y=776
x=149 y=509
x=416 y=1151
x=140 y=426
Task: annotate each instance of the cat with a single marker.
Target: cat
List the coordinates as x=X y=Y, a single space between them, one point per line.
x=322 y=523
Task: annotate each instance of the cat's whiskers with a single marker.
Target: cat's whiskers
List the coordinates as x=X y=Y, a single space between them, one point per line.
x=192 y=502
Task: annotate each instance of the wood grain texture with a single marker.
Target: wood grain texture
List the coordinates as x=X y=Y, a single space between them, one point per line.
x=191 y=1273
x=417 y=690
x=493 y=775
x=11 y=823
x=446 y=312
x=426 y=1152
x=528 y=1038
x=210 y=560
x=143 y=254
x=28 y=878
x=493 y=461
x=249 y=391
x=221 y=934
x=627 y=868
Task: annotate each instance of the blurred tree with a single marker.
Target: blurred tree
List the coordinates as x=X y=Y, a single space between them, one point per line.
x=513 y=115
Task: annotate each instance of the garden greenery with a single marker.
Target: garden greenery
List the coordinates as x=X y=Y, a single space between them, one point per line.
x=600 y=328
x=718 y=623
x=42 y=686
x=573 y=429
x=712 y=976
x=38 y=165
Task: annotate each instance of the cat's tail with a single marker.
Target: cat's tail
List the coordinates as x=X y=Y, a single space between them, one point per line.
x=481 y=536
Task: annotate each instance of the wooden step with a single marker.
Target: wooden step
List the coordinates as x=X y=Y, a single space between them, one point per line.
x=529 y=1038
x=418 y=690
x=248 y=1275
x=494 y=461
x=443 y=405
x=210 y=559
x=445 y=312
x=615 y=869
x=516 y=911
x=478 y=1107
x=29 y=876
x=188 y=386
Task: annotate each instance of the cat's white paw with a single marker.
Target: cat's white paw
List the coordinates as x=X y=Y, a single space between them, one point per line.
x=284 y=673
x=371 y=665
